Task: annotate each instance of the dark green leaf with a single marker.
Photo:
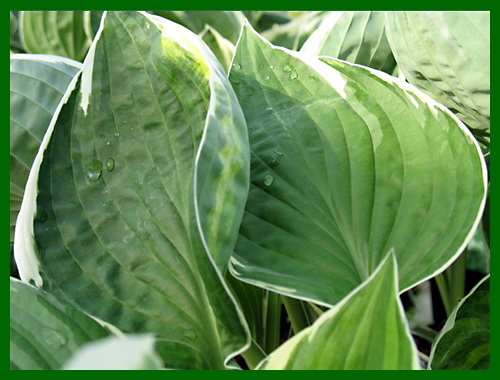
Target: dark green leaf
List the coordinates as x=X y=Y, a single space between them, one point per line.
x=464 y=341
x=44 y=330
x=143 y=184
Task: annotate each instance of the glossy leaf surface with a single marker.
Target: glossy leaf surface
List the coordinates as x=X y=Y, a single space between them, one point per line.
x=347 y=163
x=447 y=54
x=354 y=36
x=142 y=186
x=44 y=330
x=366 y=330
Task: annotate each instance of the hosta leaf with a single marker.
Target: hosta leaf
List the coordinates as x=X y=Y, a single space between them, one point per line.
x=347 y=163
x=44 y=330
x=446 y=54
x=141 y=189
x=357 y=37
x=366 y=330
x=128 y=352
x=227 y=23
x=220 y=46
x=37 y=84
x=464 y=341
x=55 y=32
x=293 y=34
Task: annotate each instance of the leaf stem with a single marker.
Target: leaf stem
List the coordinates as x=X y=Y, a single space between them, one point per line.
x=296 y=313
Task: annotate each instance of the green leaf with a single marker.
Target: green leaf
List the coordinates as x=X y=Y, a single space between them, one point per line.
x=55 y=32
x=464 y=341
x=366 y=330
x=354 y=36
x=347 y=163
x=44 y=330
x=221 y=47
x=128 y=352
x=143 y=184
x=447 y=54
x=37 y=84
x=227 y=23
x=293 y=34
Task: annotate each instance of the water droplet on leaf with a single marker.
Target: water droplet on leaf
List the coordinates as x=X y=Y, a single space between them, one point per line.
x=268 y=180
x=267 y=77
x=110 y=164
x=236 y=65
x=93 y=170
x=276 y=157
x=293 y=75
x=107 y=142
x=117 y=134
x=271 y=67
x=287 y=68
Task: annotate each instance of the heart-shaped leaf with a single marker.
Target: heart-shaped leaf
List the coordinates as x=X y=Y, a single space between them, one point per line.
x=347 y=163
x=141 y=189
x=355 y=36
x=37 y=84
x=464 y=341
x=366 y=330
x=446 y=54
x=44 y=330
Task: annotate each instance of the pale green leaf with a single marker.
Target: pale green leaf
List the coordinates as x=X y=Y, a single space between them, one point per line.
x=347 y=163
x=55 y=32
x=366 y=330
x=127 y=352
x=37 y=84
x=354 y=36
x=220 y=46
x=464 y=341
x=44 y=330
x=447 y=54
x=227 y=23
x=143 y=182
x=293 y=34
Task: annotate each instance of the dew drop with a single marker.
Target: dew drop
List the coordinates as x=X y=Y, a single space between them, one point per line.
x=116 y=134
x=271 y=67
x=93 y=170
x=267 y=77
x=53 y=338
x=269 y=108
x=110 y=164
x=293 y=75
x=276 y=157
x=107 y=142
x=314 y=78
x=268 y=180
x=287 y=68
x=191 y=334
x=236 y=65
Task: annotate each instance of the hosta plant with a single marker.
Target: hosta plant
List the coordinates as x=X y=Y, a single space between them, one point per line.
x=188 y=187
